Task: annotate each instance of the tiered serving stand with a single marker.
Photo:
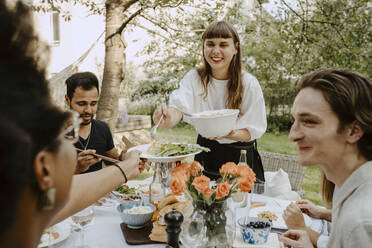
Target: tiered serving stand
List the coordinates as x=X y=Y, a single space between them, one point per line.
x=164 y=163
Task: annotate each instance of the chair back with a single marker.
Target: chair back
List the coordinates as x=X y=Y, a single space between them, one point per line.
x=274 y=161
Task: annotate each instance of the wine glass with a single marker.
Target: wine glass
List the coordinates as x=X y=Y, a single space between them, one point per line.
x=81 y=220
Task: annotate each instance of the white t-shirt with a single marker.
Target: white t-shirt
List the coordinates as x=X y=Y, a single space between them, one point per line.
x=189 y=98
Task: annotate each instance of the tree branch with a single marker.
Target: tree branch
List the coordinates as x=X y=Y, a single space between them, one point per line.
x=289 y=7
x=170 y=5
x=164 y=27
x=160 y=35
x=323 y=22
x=121 y=28
x=129 y=3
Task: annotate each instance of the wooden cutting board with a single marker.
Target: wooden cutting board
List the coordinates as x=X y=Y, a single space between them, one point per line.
x=137 y=236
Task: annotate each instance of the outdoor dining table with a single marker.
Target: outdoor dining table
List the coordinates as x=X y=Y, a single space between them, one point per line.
x=106 y=232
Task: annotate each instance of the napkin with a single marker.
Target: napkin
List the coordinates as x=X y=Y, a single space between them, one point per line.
x=278 y=185
x=272 y=242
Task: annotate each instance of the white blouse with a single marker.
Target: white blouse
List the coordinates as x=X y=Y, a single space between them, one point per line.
x=189 y=98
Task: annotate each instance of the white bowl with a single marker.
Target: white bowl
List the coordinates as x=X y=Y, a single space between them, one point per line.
x=213 y=123
x=135 y=221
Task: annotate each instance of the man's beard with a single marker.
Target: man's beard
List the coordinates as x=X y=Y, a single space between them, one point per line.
x=85 y=123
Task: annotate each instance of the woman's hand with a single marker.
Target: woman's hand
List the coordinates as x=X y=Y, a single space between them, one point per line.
x=293 y=217
x=159 y=111
x=131 y=165
x=171 y=116
x=123 y=154
x=310 y=209
x=231 y=135
x=241 y=135
x=296 y=239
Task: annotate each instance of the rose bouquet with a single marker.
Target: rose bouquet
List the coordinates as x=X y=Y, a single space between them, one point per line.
x=209 y=199
x=198 y=186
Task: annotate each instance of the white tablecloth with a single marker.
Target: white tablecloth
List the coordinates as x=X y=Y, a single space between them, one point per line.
x=106 y=232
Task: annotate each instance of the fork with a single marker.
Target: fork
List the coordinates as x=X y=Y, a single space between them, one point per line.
x=154 y=128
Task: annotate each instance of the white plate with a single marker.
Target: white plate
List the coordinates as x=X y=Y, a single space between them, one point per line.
x=63 y=229
x=279 y=223
x=151 y=158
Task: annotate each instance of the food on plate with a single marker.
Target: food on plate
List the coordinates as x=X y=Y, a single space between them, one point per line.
x=167 y=200
x=268 y=215
x=100 y=202
x=48 y=236
x=138 y=210
x=258 y=204
x=160 y=149
x=127 y=193
x=124 y=189
x=166 y=205
x=211 y=115
x=134 y=197
x=158 y=233
x=182 y=207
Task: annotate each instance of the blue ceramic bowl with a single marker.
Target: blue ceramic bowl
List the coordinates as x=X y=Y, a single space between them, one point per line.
x=251 y=235
x=135 y=221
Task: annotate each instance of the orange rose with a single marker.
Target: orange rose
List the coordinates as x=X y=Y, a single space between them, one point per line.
x=245 y=184
x=208 y=192
x=223 y=189
x=246 y=171
x=183 y=168
x=181 y=175
x=195 y=168
x=201 y=183
x=177 y=185
x=229 y=168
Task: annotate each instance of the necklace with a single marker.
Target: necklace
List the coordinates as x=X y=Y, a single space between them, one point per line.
x=86 y=145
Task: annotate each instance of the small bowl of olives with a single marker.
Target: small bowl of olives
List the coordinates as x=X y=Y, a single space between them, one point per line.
x=254 y=230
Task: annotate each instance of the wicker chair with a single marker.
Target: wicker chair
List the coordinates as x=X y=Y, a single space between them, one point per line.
x=274 y=161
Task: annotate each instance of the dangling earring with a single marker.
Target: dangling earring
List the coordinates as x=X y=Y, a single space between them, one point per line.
x=47 y=199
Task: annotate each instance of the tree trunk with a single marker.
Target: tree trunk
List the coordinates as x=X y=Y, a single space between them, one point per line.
x=113 y=73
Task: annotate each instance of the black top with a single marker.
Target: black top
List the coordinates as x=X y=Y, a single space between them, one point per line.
x=100 y=140
x=222 y=153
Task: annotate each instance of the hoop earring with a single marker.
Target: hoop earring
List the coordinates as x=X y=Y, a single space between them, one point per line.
x=47 y=199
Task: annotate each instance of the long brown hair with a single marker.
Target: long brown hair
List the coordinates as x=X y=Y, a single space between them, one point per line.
x=326 y=190
x=222 y=29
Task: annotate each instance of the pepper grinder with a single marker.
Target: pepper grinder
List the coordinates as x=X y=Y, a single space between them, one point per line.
x=173 y=220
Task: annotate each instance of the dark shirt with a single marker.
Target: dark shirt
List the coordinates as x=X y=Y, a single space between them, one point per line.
x=100 y=140
x=223 y=153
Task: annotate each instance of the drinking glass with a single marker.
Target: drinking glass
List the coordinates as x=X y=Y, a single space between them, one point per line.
x=256 y=197
x=81 y=220
x=240 y=199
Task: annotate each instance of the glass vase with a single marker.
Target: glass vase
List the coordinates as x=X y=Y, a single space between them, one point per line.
x=210 y=225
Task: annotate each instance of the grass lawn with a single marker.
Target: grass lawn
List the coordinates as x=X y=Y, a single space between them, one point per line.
x=269 y=142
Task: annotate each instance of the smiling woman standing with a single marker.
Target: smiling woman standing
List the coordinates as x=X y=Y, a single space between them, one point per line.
x=221 y=83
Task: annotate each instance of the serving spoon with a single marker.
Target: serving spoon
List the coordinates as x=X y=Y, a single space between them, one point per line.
x=154 y=128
